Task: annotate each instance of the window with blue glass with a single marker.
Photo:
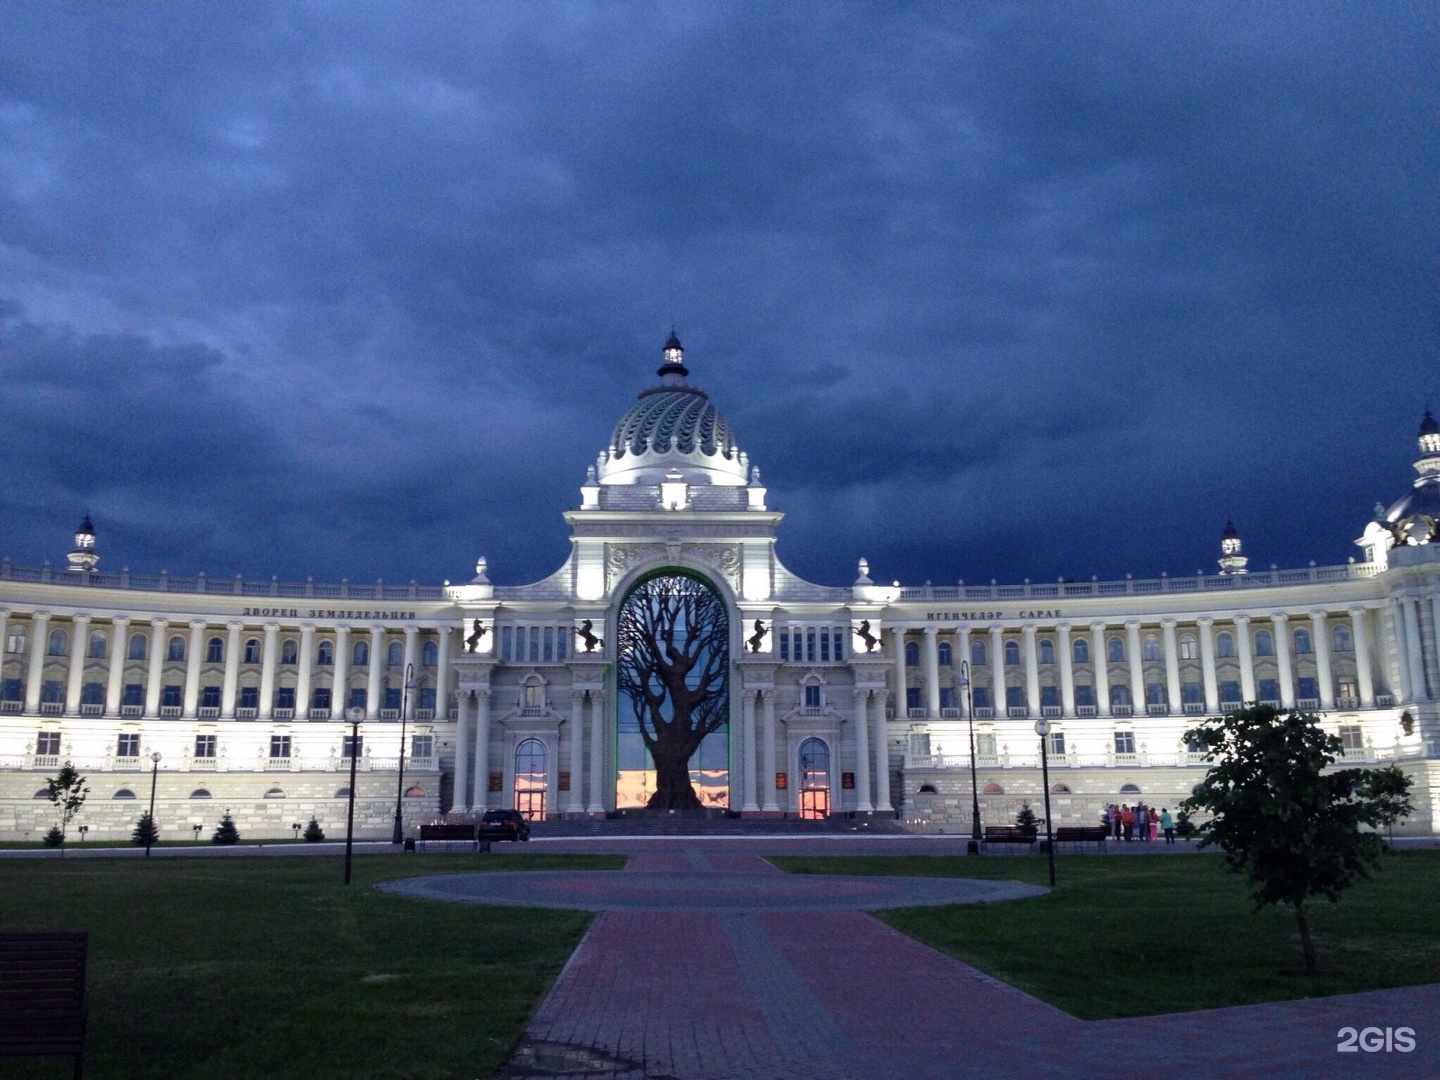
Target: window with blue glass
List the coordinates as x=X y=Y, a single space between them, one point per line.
x=980 y=697
x=1302 y=642
x=1081 y=651
x=10 y=690
x=427 y=698
x=134 y=694
x=214 y=651
x=172 y=696
x=92 y=693
x=1085 y=695
x=289 y=651
x=249 y=697
x=320 y=697
x=1264 y=643
x=285 y=697
x=812 y=696
x=1012 y=653
x=1269 y=690
x=977 y=653
x=210 y=697
x=360 y=655
x=58 y=643
x=946 y=657
x=357 y=697
x=1230 y=692
x=1014 y=697
x=51 y=692
x=1115 y=651
x=252 y=651
x=912 y=654
x=947 y=697
x=1155 y=694
x=912 y=698
x=1191 y=693
x=1120 y=695
x=1050 y=697
x=395 y=654
x=137 y=647
x=1224 y=645
x=429 y=654
x=325 y=654
x=392 y=697
x=1308 y=688
x=1047 y=651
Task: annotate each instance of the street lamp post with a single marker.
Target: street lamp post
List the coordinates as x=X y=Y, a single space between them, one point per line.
x=154 y=775
x=355 y=714
x=974 y=846
x=398 y=836
x=1042 y=728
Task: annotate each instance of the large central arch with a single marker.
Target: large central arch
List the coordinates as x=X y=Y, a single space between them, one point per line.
x=673 y=682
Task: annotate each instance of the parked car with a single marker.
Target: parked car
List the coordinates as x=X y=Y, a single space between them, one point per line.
x=504 y=825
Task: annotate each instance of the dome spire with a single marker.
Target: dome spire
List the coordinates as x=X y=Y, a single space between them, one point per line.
x=1232 y=557
x=674 y=361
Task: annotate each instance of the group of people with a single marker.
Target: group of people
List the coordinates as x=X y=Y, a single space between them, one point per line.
x=1141 y=822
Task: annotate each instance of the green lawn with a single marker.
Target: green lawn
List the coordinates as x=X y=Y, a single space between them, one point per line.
x=1136 y=934
x=272 y=968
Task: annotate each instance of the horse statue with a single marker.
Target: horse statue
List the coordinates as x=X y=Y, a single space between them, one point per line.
x=585 y=634
x=477 y=632
x=757 y=637
x=863 y=633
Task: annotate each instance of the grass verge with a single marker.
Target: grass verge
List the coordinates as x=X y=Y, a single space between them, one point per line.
x=1142 y=934
x=272 y=968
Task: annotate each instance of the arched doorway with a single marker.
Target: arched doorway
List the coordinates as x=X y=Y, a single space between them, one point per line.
x=814 y=779
x=673 y=677
x=530 y=779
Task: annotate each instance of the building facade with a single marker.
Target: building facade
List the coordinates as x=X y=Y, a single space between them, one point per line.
x=855 y=700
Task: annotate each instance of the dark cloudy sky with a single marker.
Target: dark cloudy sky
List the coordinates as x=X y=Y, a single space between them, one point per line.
x=1001 y=292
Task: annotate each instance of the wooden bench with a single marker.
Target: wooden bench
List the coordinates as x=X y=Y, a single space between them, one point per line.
x=43 y=1005
x=449 y=834
x=1009 y=834
x=1082 y=834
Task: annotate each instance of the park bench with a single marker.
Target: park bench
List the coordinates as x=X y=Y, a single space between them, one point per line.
x=43 y=1004
x=1009 y=834
x=1082 y=834
x=452 y=833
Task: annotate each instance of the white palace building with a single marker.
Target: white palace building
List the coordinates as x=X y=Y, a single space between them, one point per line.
x=855 y=700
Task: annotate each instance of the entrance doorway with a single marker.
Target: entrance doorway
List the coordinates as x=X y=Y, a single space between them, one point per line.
x=530 y=779
x=814 y=779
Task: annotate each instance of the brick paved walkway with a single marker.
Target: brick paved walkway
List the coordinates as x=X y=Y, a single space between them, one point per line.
x=754 y=992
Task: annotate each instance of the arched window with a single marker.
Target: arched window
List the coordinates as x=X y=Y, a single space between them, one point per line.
x=429 y=654
x=1129 y=789
x=925 y=789
x=1047 y=651
x=814 y=761
x=175 y=650
x=1081 y=651
x=200 y=793
x=1343 y=641
x=946 y=658
x=275 y=793
x=993 y=789
x=97 y=645
x=342 y=793
x=415 y=792
x=1012 y=652
x=1224 y=644
x=534 y=693
x=1188 y=647
x=15 y=640
x=1150 y=647
x=214 y=650
x=1302 y=642
x=289 y=651
x=360 y=655
x=43 y=793
x=530 y=778
x=1264 y=643
x=58 y=643
x=977 y=653
x=912 y=654
x=123 y=793
x=325 y=654
x=1059 y=789
x=137 y=647
x=395 y=655
x=252 y=651
x=1115 y=651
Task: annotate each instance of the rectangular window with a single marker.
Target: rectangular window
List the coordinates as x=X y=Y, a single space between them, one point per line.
x=560 y=638
x=1195 y=745
x=1269 y=690
x=320 y=698
x=1057 y=742
x=810 y=644
x=279 y=746
x=912 y=697
x=812 y=696
x=52 y=692
x=249 y=697
x=1124 y=742
x=534 y=644
x=1050 y=697
x=1230 y=693
x=1307 y=688
x=204 y=746
x=422 y=746
x=1351 y=737
x=172 y=697
x=210 y=697
x=285 y=697
x=357 y=697
x=352 y=746
x=128 y=745
x=1191 y=693
x=11 y=690
x=980 y=697
x=825 y=646
x=1349 y=694
x=392 y=697
x=837 y=648
x=92 y=693
x=507 y=643
x=47 y=743
x=1085 y=695
x=427 y=698
x=985 y=744
x=784 y=645
x=947 y=697
x=134 y=694
x=1155 y=694
x=549 y=643
x=1014 y=697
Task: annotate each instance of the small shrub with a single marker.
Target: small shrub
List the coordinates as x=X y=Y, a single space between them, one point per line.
x=1026 y=818
x=54 y=838
x=227 y=833
x=1183 y=825
x=145 y=832
x=313 y=832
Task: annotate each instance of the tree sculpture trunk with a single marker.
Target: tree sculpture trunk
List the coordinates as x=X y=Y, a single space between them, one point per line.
x=674 y=657
x=1307 y=947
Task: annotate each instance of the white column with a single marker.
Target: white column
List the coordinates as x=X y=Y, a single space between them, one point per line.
x=1067 y=670
x=767 y=710
x=1397 y=620
x=1320 y=641
x=1102 y=669
x=482 y=749
x=1172 y=665
x=1365 y=683
x=373 y=697
x=268 y=650
x=882 y=755
x=119 y=648
x=1281 y=623
x=305 y=672
x=902 y=699
x=411 y=661
x=156 y=672
x=195 y=652
x=597 y=753
x=575 y=805
x=35 y=675
x=79 y=646
x=1435 y=627
x=932 y=672
x=462 y=752
x=962 y=655
x=1137 y=668
x=1247 y=658
x=1414 y=657
x=340 y=680
x=1207 y=664
x=442 y=676
x=1032 y=671
x=750 y=766
x=232 y=670
x=997 y=670
x=863 y=805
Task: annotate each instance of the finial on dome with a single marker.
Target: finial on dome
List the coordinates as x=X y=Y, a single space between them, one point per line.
x=1232 y=560
x=1429 y=437
x=83 y=558
x=482 y=564
x=674 y=360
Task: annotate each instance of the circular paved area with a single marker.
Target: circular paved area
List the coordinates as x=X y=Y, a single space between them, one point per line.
x=712 y=891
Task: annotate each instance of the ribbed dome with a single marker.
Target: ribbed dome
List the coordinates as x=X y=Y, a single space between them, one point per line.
x=680 y=415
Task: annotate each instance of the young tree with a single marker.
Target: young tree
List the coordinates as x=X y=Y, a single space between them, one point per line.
x=1291 y=827
x=227 y=833
x=1026 y=818
x=674 y=659
x=67 y=793
x=145 y=833
x=313 y=832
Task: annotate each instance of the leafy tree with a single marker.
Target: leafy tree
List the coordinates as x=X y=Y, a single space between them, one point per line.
x=67 y=793
x=1026 y=818
x=313 y=832
x=227 y=833
x=1294 y=829
x=1183 y=825
x=145 y=832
